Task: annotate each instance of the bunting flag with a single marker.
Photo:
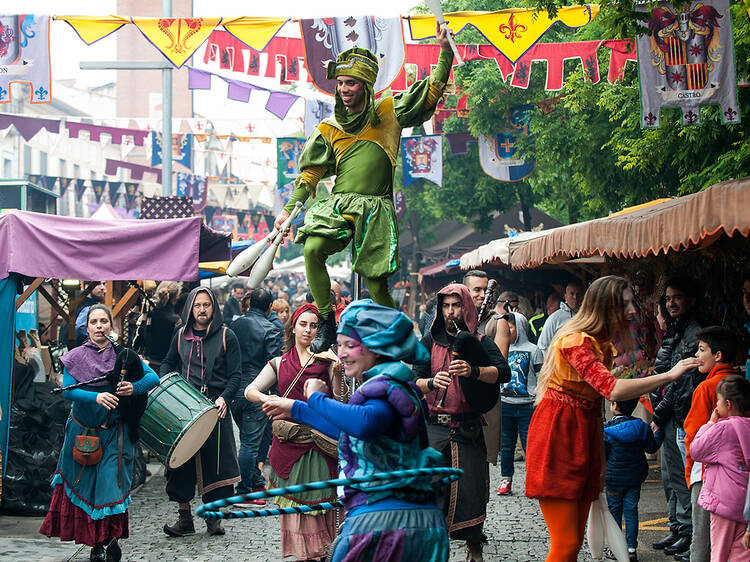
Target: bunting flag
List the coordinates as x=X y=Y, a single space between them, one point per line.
x=512 y=32
x=49 y=182
x=176 y=38
x=93 y=28
x=315 y=112
x=422 y=158
x=27 y=127
x=288 y=151
x=24 y=56
x=325 y=38
x=136 y=170
x=80 y=188
x=270 y=219
x=64 y=184
x=181 y=149
x=194 y=188
x=256 y=33
x=231 y=54
x=114 y=188
x=459 y=142
x=98 y=187
x=131 y=195
x=255 y=220
x=116 y=133
x=686 y=61
x=497 y=153
x=279 y=102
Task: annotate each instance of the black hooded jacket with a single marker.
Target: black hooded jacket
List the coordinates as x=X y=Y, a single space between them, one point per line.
x=679 y=343
x=209 y=358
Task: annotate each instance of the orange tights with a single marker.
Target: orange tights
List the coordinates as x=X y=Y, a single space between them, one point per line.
x=566 y=522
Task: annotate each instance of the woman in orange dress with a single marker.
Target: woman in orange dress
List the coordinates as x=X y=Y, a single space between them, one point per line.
x=565 y=446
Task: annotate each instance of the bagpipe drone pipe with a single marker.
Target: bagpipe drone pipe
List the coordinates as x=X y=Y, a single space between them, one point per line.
x=482 y=396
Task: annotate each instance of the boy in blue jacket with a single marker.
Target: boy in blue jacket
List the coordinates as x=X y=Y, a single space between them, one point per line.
x=626 y=442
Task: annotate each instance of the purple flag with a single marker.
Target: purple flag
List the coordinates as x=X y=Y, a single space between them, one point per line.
x=28 y=126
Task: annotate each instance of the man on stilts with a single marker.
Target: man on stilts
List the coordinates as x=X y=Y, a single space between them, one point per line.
x=360 y=146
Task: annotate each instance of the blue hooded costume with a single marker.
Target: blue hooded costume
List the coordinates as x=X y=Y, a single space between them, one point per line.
x=382 y=428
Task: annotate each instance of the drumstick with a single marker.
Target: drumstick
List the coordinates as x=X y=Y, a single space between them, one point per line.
x=218 y=447
x=437 y=11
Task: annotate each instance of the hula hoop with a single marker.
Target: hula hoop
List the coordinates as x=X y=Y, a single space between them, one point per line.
x=211 y=510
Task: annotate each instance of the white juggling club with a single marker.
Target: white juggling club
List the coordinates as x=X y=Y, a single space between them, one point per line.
x=247 y=257
x=437 y=11
x=265 y=262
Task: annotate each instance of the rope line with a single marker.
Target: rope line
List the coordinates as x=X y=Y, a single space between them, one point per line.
x=212 y=509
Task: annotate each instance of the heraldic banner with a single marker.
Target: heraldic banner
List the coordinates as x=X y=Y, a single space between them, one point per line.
x=325 y=39
x=497 y=153
x=288 y=152
x=181 y=148
x=195 y=188
x=423 y=158
x=24 y=55
x=688 y=61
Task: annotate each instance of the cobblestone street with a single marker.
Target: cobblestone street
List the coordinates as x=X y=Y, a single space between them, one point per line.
x=515 y=530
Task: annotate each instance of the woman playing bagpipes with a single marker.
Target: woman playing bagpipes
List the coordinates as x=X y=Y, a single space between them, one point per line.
x=380 y=429
x=92 y=481
x=295 y=455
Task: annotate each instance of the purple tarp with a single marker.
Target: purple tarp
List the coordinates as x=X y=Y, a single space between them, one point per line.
x=39 y=245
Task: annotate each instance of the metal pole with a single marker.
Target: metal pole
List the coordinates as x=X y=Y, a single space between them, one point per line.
x=166 y=117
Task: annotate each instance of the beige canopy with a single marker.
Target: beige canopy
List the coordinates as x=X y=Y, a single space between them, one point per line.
x=672 y=225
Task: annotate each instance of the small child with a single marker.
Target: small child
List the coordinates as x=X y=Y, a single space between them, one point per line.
x=723 y=444
x=626 y=442
x=717 y=347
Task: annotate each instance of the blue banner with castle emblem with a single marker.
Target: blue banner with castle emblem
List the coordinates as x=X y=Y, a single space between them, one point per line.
x=497 y=153
x=423 y=158
x=686 y=61
x=181 y=146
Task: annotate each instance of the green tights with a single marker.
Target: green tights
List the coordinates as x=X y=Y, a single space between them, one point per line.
x=317 y=249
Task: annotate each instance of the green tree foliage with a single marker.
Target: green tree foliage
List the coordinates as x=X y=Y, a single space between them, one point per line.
x=592 y=156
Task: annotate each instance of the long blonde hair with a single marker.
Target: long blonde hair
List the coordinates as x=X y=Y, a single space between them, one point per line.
x=602 y=315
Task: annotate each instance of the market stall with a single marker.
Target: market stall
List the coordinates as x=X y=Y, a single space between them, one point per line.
x=692 y=221
x=39 y=246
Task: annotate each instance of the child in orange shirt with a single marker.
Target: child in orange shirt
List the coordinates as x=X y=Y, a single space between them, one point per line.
x=717 y=347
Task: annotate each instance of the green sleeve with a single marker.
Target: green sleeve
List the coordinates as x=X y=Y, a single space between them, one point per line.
x=409 y=105
x=317 y=152
x=300 y=194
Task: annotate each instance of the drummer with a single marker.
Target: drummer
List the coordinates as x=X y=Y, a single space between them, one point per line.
x=207 y=354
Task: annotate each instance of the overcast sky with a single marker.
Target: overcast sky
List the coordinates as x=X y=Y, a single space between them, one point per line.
x=68 y=49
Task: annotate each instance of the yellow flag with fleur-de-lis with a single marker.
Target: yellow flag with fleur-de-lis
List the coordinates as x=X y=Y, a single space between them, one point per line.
x=513 y=31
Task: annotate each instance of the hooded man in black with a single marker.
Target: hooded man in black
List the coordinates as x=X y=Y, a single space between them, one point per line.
x=207 y=355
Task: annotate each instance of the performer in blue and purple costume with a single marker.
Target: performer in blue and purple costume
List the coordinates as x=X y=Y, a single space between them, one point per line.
x=381 y=429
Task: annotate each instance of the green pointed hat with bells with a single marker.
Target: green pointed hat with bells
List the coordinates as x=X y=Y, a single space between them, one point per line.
x=363 y=65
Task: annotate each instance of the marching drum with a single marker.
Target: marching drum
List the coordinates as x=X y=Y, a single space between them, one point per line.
x=178 y=420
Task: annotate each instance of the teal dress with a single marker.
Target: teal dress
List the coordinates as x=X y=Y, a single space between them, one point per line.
x=89 y=504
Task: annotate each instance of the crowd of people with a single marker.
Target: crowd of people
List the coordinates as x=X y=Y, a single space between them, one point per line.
x=301 y=417
x=456 y=387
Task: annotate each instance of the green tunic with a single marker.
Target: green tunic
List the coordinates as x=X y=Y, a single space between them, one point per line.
x=364 y=161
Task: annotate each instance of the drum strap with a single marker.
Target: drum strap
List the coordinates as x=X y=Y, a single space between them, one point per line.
x=210 y=354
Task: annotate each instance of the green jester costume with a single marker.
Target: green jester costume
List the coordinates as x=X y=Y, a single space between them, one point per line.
x=361 y=150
